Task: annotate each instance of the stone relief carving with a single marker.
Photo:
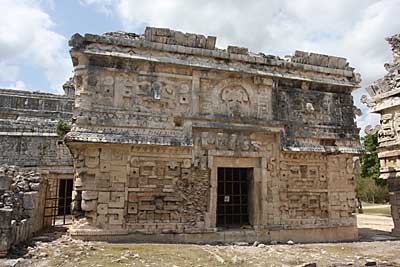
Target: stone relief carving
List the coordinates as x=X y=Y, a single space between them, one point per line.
x=236 y=98
x=232 y=142
x=386 y=131
x=235 y=101
x=365 y=100
x=235 y=94
x=396 y=122
x=369 y=129
x=142 y=93
x=313 y=105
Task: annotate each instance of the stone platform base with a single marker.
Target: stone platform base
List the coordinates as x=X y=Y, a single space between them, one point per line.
x=333 y=234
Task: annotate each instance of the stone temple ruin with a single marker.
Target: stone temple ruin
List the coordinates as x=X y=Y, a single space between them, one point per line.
x=29 y=194
x=176 y=140
x=385 y=100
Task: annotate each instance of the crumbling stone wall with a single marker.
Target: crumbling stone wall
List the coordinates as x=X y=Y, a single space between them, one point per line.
x=22 y=196
x=144 y=189
x=158 y=114
x=28 y=132
x=385 y=101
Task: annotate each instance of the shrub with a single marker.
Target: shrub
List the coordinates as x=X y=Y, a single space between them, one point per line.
x=63 y=128
x=369 y=187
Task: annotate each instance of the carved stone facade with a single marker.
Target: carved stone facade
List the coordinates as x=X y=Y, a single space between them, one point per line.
x=163 y=121
x=385 y=100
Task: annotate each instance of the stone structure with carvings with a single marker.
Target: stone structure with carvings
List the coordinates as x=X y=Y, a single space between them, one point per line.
x=28 y=130
x=177 y=140
x=385 y=100
x=30 y=193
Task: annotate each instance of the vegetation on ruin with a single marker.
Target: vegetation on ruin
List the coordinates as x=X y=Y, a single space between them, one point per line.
x=369 y=187
x=63 y=128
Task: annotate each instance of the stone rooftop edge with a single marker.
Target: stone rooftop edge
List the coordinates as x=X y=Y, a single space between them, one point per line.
x=195 y=44
x=26 y=93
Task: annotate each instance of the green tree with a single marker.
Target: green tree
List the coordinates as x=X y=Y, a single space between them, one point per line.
x=369 y=187
x=63 y=128
x=370 y=161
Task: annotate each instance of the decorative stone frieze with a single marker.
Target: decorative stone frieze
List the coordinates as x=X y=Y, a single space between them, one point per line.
x=165 y=119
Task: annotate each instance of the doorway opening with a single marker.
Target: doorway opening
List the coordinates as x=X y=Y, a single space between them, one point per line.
x=233 y=197
x=57 y=210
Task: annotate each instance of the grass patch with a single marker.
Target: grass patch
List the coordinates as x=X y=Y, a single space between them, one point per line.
x=113 y=255
x=382 y=211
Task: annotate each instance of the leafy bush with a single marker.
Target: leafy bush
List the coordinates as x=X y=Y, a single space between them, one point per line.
x=63 y=128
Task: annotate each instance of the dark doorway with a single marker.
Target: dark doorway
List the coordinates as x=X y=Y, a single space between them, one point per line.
x=232 y=197
x=65 y=196
x=57 y=208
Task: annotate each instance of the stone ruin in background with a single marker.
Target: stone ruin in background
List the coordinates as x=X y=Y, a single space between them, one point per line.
x=29 y=139
x=177 y=140
x=22 y=197
x=385 y=100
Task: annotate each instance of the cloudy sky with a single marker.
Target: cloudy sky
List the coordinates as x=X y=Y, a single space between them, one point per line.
x=34 y=33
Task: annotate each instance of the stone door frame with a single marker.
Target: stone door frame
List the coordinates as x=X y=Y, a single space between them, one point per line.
x=229 y=159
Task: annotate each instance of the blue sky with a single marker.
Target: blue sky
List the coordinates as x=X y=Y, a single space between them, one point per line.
x=34 y=33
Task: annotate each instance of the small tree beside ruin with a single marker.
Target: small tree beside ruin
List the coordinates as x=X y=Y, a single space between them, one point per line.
x=369 y=187
x=63 y=128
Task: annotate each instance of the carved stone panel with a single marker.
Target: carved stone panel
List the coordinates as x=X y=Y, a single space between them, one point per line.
x=234 y=98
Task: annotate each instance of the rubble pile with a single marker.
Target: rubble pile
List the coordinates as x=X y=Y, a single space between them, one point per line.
x=18 y=182
x=22 y=196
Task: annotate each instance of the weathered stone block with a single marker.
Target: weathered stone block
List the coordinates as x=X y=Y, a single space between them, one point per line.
x=116 y=216
x=132 y=208
x=117 y=200
x=102 y=220
x=102 y=209
x=30 y=200
x=89 y=205
x=104 y=166
x=103 y=197
x=89 y=195
x=132 y=197
x=5 y=218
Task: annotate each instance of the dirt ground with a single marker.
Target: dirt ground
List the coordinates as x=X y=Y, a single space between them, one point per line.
x=377 y=247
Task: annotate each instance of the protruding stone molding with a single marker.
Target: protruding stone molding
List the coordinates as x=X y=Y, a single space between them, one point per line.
x=161 y=151
x=367 y=101
x=303 y=156
x=131 y=136
x=369 y=129
x=201 y=63
x=313 y=61
x=97 y=232
x=29 y=134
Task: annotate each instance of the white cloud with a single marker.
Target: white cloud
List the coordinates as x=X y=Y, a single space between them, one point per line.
x=20 y=85
x=27 y=35
x=103 y=6
x=353 y=29
x=17 y=85
x=8 y=71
